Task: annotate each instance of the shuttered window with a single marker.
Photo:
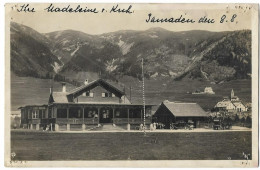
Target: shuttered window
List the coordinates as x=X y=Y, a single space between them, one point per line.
x=88 y=94
x=108 y=94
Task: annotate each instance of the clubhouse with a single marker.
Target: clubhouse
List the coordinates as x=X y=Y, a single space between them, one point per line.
x=91 y=105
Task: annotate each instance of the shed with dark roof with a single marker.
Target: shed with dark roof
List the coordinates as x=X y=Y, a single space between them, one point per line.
x=173 y=112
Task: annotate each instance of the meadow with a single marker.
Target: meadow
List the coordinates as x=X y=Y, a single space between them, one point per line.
x=29 y=91
x=35 y=145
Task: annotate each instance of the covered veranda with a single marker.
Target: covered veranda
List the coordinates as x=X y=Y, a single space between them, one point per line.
x=97 y=114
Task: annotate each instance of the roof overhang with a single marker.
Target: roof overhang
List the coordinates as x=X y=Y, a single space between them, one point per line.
x=101 y=104
x=22 y=107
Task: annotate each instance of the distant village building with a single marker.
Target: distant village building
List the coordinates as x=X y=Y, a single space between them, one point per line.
x=207 y=90
x=92 y=104
x=172 y=112
x=233 y=97
x=232 y=104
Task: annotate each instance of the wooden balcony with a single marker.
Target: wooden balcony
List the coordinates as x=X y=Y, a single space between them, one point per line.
x=95 y=121
x=69 y=120
x=91 y=121
x=131 y=120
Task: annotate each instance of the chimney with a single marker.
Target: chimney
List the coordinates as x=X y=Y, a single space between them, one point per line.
x=63 y=87
x=86 y=82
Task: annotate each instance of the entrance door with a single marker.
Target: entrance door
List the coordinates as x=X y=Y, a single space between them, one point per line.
x=106 y=115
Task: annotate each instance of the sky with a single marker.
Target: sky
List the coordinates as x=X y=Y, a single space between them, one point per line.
x=98 y=23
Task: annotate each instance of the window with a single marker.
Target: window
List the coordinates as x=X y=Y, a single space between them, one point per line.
x=107 y=94
x=49 y=113
x=88 y=94
x=61 y=113
x=105 y=114
x=91 y=94
x=40 y=113
x=135 y=113
x=22 y=114
x=117 y=113
x=121 y=113
x=29 y=114
x=43 y=114
x=89 y=114
x=75 y=112
x=35 y=114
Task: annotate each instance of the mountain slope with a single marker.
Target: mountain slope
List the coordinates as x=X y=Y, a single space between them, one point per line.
x=197 y=54
x=225 y=59
x=68 y=42
x=165 y=53
x=30 y=53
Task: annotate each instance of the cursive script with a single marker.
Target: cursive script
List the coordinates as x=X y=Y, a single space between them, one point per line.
x=69 y=9
x=26 y=8
x=179 y=19
x=121 y=10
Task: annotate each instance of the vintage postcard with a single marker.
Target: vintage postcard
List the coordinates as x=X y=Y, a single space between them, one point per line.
x=131 y=85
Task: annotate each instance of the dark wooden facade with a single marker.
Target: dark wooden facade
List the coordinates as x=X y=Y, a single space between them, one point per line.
x=103 y=104
x=170 y=112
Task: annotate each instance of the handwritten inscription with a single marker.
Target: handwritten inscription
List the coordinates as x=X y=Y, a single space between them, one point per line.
x=206 y=20
x=78 y=9
x=69 y=9
x=121 y=10
x=25 y=8
x=182 y=19
x=179 y=19
x=224 y=18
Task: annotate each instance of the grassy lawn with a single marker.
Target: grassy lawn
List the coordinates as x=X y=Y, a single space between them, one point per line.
x=134 y=146
x=29 y=91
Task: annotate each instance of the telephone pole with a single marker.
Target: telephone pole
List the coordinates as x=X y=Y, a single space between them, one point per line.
x=143 y=93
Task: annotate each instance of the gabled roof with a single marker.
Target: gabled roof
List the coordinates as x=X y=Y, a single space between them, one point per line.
x=185 y=109
x=60 y=97
x=93 y=84
x=236 y=103
x=224 y=103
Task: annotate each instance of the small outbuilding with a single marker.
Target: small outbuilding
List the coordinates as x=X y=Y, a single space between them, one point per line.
x=174 y=112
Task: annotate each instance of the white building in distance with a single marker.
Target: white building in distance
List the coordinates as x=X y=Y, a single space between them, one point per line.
x=209 y=90
x=231 y=105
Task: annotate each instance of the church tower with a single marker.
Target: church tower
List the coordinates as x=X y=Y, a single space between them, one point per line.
x=232 y=94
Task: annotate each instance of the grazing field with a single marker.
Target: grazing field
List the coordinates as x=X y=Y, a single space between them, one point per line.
x=34 y=145
x=157 y=91
x=29 y=91
x=32 y=91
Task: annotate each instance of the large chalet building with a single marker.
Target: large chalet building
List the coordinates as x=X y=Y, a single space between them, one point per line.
x=91 y=105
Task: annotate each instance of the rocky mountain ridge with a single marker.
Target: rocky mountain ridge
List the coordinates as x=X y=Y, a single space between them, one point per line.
x=211 y=56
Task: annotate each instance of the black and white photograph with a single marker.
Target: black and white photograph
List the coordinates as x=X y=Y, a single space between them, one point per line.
x=131 y=85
